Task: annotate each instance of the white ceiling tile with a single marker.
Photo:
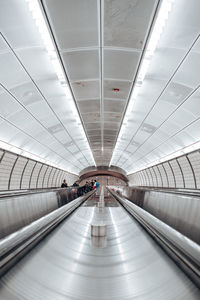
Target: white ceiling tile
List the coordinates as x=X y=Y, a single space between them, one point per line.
x=42 y=68
x=17 y=25
x=89 y=106
x=82 y=65
x=27 y=94
x=86 y=90
x=188 y=73
x=114 y=106
x=123 y=86
x=126 y=22
x=183 y=24
x=75 y=22
x=8 y=105
x=13 y=74
x=120 y=64
x=192 y=105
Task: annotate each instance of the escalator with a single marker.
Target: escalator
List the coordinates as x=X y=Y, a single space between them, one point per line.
x=66 y=264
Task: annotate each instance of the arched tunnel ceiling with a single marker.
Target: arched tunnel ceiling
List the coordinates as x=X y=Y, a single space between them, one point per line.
x=101 y=46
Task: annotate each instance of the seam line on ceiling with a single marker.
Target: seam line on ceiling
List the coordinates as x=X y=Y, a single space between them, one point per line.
x=154 y=14
x=39 y=91
x=41 y=2
x=168 y=82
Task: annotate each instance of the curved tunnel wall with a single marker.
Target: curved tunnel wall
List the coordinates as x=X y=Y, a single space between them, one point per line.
x=18 y=173
x=182 y=172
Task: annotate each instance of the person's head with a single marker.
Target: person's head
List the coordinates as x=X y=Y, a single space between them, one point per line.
x=64 y=181
x=95 y=180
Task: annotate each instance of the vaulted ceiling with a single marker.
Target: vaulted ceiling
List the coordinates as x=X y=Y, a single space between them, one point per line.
x=85 y=118
x=100 y=44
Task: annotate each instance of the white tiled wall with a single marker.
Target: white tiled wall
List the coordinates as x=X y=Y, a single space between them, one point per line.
x=5 y=169
x=194 y=159
x=15 y=179
x=54 y=181
x=182 y=172
x=177 y=173
x=159 y=179
x=187 y=172
x=51 y=177
x=170 y=174
x=149 y=176
x=163 y=175
x=146 y=181
x=34 y=176
x=18 y=172
x=45 y=183
x=41 y=176
x=27 y=174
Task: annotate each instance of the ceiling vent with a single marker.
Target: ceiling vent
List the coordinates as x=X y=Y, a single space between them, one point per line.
x=148 y=128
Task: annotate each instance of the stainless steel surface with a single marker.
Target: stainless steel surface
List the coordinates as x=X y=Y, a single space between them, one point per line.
x=98 y=230
x=179 y=211
x=182 y=249
x=182 y=212
x=17 y=211
x=21 y=241
x=67 y=266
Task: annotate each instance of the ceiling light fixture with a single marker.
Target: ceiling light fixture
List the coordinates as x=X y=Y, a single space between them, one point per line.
x=155 y=35
x=40 y=22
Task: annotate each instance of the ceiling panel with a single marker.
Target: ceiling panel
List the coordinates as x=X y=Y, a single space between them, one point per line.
x=13 y=74
x=99 y=51
x=89 y=106
x=120 y=64
x=84 y=90
x=40 y=70
x=126 y=22
x=88 y=117
x=167 y=101
x=93 y=74
x=82 y=65
x=93 y=126
x=75 y=22
x=123 y=86
x=35 y=106
x=18 y=29
x=114 y=106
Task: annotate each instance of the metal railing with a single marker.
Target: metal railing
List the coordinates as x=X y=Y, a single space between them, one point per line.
x=184 y=251
x=17 y=244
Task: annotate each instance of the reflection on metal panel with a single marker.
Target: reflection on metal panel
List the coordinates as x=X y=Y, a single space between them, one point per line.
x=66 y=266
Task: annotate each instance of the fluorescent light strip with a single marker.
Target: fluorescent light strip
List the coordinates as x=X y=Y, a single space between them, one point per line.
x=37 y=14
x=161 y=19
x=181 y=152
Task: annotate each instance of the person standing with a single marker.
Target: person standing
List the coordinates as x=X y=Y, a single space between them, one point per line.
x=96 y=184
x=64 y=184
